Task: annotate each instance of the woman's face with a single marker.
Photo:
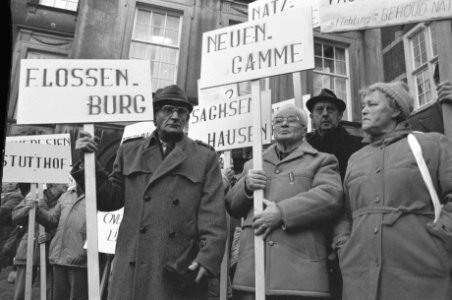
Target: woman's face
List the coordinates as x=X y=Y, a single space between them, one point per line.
x=377 y=116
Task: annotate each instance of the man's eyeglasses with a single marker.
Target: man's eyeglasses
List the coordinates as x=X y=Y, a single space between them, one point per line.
x=291 y=121
x=170 y=109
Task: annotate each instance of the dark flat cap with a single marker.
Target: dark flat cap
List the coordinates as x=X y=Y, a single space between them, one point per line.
x=173 y=95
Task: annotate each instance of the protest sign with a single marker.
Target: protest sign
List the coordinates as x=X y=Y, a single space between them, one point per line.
x=36 y=163
x=84 y=91
x=45 y=139
x=266 y=8
x=227 y=124
x=108 y=227
x=339 y=15
x=258 y=49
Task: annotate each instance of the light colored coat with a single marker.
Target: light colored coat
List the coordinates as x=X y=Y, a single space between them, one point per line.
x=167 y=203
x=307 y=188
x=390 y=255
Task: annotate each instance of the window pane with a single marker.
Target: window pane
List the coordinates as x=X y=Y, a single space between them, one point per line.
x=340 y=88
x=63 y=4
x=339 y=53
x=434 y=41
x=341 y=68
x=329 y=65
x=317 y=49
x=328 y=51
x=318 y=63
x=322 y=81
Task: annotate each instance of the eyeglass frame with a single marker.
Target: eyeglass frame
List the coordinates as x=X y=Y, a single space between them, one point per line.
x=181 y=110
x=286 y=119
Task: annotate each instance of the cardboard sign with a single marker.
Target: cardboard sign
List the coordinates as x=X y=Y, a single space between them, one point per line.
x=258 y=49
x=266 y=8
x=108 y=227
x=339 y=15
x=84 y=91
x=227 y=124
x=36 y=163
x=46 y=139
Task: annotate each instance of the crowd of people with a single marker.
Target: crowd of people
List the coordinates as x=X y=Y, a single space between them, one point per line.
x=344 y=217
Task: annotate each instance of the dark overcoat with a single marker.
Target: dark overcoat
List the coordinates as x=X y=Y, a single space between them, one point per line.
x=167 y=203
x=307 y=188
x=390 y=254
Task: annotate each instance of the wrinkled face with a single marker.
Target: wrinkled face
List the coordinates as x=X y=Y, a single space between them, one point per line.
x=288 y=126
x=325 y=116
x=170 y=121
x=377 y=116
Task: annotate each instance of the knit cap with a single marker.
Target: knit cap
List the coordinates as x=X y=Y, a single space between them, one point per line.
x=397 y=95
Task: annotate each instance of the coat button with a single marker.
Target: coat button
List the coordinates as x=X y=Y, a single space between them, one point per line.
x=277 y=171
x=375 y=229
x=378 y=170
x=142 y=229
x=172 y=235
x=147 y=198
x=377 y=199
x=176 y=201
x=271 y=243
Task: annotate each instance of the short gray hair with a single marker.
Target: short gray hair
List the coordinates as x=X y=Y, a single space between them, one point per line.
x=298 y=111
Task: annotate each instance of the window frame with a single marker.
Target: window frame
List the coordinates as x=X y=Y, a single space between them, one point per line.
x=65 y=9
x=412 y=71
x=168 y=12
x=348 y=113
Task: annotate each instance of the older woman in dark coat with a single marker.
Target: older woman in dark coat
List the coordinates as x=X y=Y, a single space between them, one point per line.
x=390 y=255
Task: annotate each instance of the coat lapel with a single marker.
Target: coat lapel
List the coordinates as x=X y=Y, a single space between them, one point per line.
x=175 y=158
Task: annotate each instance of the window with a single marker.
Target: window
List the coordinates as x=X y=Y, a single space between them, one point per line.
x=156 y=36
x=421 y=54
x=332 y=72
x=63 y=4
x=33 y=54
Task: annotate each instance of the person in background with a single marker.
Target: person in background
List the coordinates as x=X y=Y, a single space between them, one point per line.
x=20 y=217
x=172 y=192
x=66 y=253
x=389 y=253
x=10 y=198
x=326 y=111
x=302 y=189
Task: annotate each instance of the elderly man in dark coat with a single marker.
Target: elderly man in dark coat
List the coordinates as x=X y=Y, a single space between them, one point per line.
x=302 y=189
x=330 y=137
x=172 y=192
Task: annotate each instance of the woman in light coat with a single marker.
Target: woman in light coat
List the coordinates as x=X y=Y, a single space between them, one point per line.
x=390 y=255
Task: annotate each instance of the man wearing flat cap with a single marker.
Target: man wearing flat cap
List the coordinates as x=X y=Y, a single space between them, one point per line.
x=330 y=137
x=173 y=233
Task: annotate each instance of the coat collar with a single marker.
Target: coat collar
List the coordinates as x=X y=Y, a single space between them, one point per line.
x=401 y=131
x=175 y=158
x=271 y=156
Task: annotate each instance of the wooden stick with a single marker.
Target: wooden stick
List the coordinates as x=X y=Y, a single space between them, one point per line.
x=259 y=243
x=30 y=244
x=224 y=271
x=297 y=89
x=91 y=221
x=106 y=275
x=42 y=254
x=443 y=38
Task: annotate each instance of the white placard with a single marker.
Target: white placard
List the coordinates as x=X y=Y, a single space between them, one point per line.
x=227 y=124
x=338 y=15
x=141 y=129
x=266 y=8
x=219 y=93
x=60 y=91
x=63 y=139
x=108 y=227
x=258 y=49
x=36 y=163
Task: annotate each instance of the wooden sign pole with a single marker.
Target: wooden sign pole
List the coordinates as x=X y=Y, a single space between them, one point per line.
x=42 y=254
x=297 y=89
x=30 y=243
x=443 y=38
x=259 y=243
x=224 y=271
x=91 y=221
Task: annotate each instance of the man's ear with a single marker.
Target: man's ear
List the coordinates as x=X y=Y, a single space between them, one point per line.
x=340 y=115
x=395 y=113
